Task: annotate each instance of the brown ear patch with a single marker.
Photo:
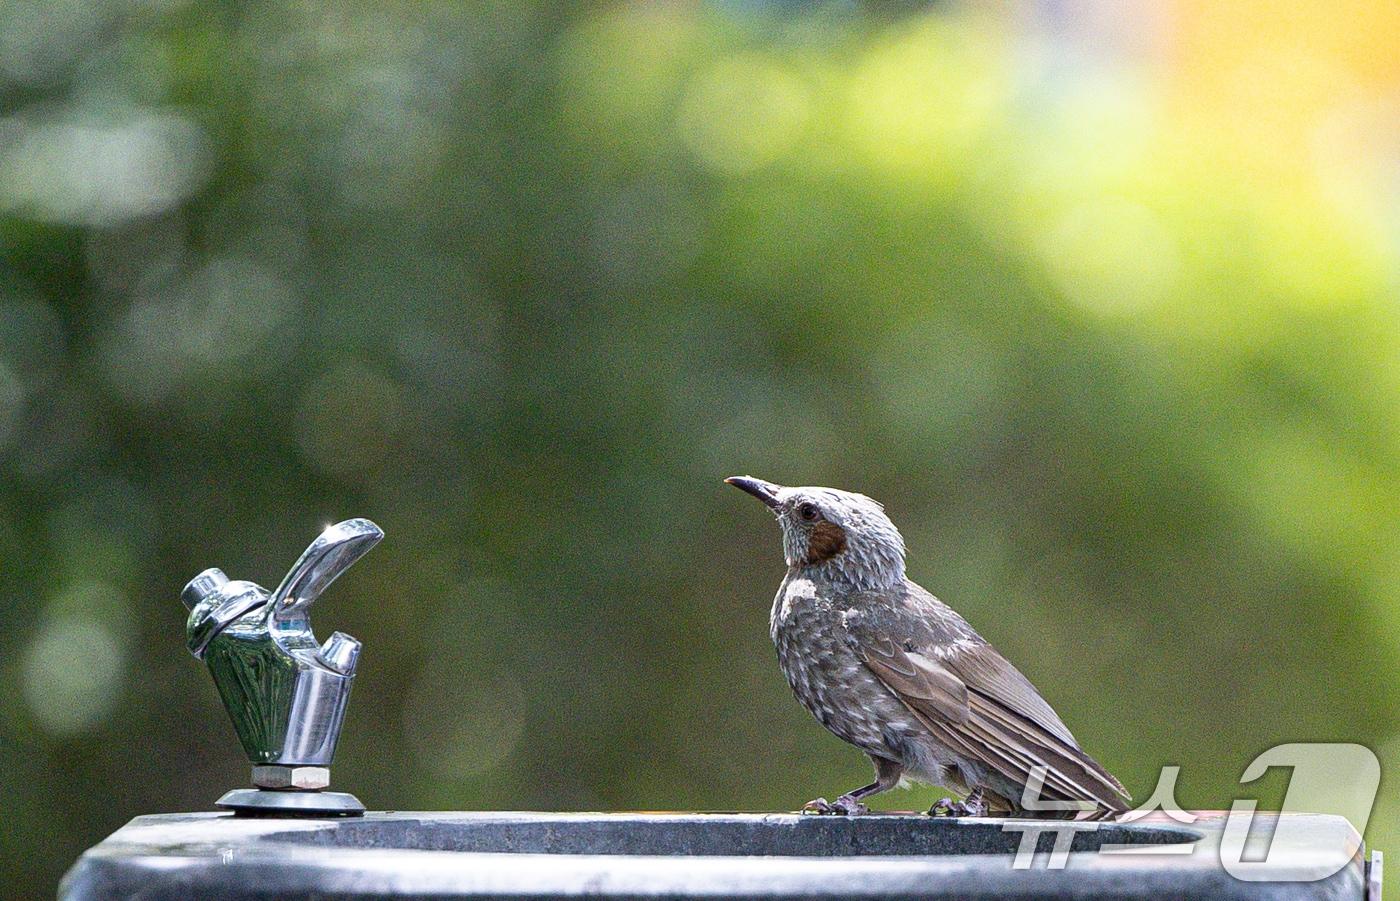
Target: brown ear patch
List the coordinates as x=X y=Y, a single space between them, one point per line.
x=828 y=540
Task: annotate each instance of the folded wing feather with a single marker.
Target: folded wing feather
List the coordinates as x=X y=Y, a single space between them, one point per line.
x=976 y=703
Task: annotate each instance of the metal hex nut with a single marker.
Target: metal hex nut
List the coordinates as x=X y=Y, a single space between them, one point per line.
x=307 y=778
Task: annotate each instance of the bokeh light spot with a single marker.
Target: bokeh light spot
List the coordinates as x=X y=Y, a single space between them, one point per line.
x=921 y=100
x=39 y=38
x=1112 y=257
x=96 y=172
x=73 y=674
x=222 y=311
x=742 y=113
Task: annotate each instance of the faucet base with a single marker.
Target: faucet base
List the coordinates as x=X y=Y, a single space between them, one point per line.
x=262 y=802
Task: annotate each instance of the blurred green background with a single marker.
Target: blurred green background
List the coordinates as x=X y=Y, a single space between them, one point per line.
x=1099 y=299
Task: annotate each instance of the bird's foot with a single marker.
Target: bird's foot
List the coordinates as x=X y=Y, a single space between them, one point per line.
x=849 y=806
x=947 y=807
x=843 y=806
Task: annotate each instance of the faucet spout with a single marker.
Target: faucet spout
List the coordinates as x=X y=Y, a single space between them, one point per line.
x=333 y=552
x=340 y=652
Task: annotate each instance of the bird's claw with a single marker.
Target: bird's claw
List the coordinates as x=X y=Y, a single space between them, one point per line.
x=843 y=806
x=849 y=806
x=947 y=807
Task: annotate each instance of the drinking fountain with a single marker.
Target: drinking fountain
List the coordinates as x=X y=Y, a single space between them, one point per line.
x=287 y=837
x=285 y=692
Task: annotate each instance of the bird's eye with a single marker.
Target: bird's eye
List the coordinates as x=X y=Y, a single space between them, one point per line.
x=807 y=512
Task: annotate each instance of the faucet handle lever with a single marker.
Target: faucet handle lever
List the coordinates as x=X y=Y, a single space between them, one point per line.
x=201 y=586
x=332 y=553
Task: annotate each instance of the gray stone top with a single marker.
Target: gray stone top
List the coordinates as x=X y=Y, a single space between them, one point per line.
x=633 y=855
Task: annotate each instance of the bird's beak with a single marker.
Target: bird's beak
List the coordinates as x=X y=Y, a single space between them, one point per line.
x=764 y=491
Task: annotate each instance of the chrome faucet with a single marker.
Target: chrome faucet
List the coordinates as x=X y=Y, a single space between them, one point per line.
x=285 y=693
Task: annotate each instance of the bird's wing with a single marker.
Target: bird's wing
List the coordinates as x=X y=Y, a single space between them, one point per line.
x=979 y=705
x=983 y=667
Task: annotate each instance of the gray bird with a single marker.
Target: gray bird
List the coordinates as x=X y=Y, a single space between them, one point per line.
x=891 y=669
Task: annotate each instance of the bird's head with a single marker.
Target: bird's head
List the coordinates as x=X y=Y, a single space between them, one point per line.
x=838 y=535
